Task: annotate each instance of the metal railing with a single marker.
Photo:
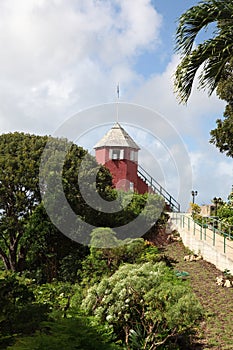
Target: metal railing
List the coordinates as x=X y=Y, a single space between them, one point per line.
x=157 y=188
x=208 y=230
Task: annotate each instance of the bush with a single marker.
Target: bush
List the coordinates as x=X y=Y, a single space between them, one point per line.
x=107 y=253
x=146 y=299
x=19 y=311
x=56 y=296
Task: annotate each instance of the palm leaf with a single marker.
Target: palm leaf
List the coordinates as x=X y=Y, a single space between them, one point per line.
x=199 y=17
x=211 y=55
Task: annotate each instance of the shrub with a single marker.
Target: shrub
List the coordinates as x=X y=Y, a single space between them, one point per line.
x=107 y=253
x=146 y=297
x=19 y=311
x=56 y=296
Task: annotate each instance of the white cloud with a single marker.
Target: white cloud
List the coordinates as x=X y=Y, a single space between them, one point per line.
x=158 y=93
x=212 y=175
x=62 y=55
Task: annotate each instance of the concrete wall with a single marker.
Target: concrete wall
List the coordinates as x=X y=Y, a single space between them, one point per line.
x=209 y=252
x=204 y=241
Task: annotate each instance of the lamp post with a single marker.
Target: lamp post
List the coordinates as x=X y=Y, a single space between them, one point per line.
x=217 y=201
x=194 y=193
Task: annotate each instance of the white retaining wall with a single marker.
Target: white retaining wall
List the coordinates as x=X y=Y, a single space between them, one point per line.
x=211 y=253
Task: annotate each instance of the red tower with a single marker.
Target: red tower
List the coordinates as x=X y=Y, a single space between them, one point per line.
x=119 y=153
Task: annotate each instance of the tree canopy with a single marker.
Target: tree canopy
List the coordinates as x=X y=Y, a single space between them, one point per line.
x=222 y=135
x=24 y=223
x=19 y=191
x=29 y=240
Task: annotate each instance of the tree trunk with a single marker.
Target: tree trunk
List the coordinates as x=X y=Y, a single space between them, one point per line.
x=13 y=258
x=21 y=259
x=5 y=260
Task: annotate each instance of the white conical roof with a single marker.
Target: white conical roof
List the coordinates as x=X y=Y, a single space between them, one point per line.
x=117 y=137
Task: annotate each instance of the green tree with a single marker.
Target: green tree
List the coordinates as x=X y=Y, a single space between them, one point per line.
x=28 y=238
x=144 y=300
x=23 y=221
x=19 y=192
x=222 y=135
x=213 y=55
x=225 y=214
x=195 y=210
x=50 y=254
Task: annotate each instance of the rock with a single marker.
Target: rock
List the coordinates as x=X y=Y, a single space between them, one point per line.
x=227 y=284
x=199 y=257
x=219 y=280
x=177 y=239
x=192 y=258
x=186 y=258
x=169 y=238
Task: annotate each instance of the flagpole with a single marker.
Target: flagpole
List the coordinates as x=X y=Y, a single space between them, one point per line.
x=118 y=97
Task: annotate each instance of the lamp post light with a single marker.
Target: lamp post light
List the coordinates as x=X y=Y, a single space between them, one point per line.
x=217 y=201
x=194 y=193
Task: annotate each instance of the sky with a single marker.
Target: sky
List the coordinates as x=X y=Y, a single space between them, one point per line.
x=61 y=61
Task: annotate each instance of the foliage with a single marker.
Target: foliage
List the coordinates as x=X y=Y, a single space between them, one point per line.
x=19 y=311
x=146 y=297
x=196 y=209
x=225 y=214
x=222 y=136
x=19 y=192
x=51 y=255
x=107 y=253
x=68 y=334
x=25 y=228
x=56 y=297
x=28 y=239
x=213 y=54
x=149 y=206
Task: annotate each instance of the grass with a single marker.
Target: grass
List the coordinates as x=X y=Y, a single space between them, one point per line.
x=216 y=331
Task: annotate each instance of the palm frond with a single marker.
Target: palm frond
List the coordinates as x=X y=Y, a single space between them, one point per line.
x=212 y=56
x=216 y=64
x=197 y=18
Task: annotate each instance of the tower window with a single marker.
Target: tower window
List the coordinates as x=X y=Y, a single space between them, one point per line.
x=116 y=154
x=134 y=156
